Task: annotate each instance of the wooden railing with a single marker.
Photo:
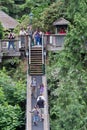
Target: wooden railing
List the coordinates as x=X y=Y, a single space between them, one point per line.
x=4 y=45
x=17 y=43
x=56 y=40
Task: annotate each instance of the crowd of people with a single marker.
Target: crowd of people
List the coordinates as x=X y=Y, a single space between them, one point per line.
x=36 y=37
x=38 y=109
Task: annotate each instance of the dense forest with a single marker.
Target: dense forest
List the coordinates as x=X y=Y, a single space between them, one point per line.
x=66 y=69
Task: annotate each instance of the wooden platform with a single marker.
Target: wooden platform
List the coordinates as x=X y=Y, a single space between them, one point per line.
x=54 y=48
x=11 y=53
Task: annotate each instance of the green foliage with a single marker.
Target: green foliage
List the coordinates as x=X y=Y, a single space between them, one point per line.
x=12 y=94
x=1 y=31
x=15 y=69
x=9 y=117
x=20 y=92
x=51 y=14
x=74 y=7
x=2 y=96
x=70 y=106
x=67 y=72
x=68 y=89
x=67 y=75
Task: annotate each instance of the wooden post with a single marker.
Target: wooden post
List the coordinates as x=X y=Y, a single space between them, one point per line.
x=17 y=44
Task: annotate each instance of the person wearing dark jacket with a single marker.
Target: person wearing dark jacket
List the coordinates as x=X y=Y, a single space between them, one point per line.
x=40 y=104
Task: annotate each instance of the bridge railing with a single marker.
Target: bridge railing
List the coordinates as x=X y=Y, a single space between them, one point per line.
x=56 y=40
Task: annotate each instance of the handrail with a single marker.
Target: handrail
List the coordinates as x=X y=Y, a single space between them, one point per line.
x=58 y=34
x=42 y=51
x=29 y=47
x=56 y=40
x=28 y=103
x=46 y=113
x=4 y=44
x=19 y=41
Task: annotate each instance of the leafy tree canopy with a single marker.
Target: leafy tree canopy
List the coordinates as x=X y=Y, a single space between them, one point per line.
x=12 y=94
x=1 y=31
x=67 y=75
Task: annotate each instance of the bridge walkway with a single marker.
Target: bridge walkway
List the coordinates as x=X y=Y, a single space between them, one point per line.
x=31 y=102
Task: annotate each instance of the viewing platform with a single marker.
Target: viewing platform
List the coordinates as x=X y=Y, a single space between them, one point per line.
x=51 y=42
x=4 y=52
x=54 y=42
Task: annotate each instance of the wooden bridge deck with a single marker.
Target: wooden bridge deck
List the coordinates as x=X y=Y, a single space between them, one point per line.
x=31 y=102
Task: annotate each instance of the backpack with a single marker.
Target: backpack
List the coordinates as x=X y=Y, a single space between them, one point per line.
x=11 y=36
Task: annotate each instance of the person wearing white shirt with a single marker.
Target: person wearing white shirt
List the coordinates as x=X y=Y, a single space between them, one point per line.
x=22 y=34
x=42 y=97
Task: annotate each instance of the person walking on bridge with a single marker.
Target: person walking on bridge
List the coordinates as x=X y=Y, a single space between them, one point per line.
x=34 y=87
x=40 y=104
x=41 y=89
x=35 y=112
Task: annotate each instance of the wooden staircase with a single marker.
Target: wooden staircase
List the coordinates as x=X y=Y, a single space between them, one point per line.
x=36 y=65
